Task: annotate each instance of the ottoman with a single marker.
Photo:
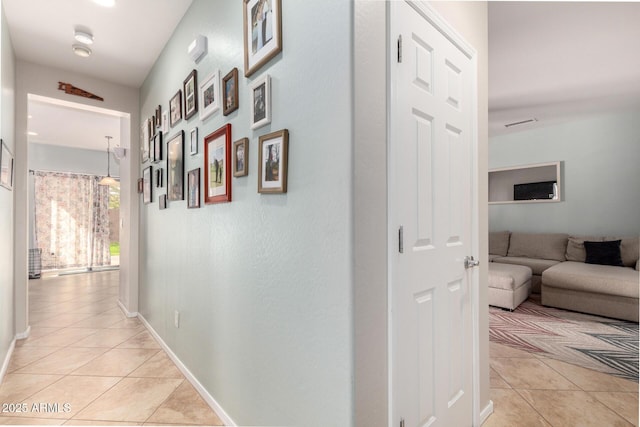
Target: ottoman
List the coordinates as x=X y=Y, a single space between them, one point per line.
x=509 y=284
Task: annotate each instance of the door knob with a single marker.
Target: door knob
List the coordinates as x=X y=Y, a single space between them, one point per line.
x=470 y=262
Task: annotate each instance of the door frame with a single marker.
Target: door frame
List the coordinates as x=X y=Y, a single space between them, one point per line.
x=450 y=34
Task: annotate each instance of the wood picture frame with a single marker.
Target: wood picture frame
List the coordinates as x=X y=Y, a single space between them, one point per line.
x=190 y=90
x=6 y=166
x=193 y=188
x=273 y=159
x=193 y=141
x=210 y=96
x=162 y=201
x=140 y=185
x=261 y=102
x=144 y=141
x=175 y=167
x=159 y=117
x=175 y=108
x=217 y=166
x=157 y=147
x=147 y=188
x=262 y=21
x=240 y=158
x=230 y=92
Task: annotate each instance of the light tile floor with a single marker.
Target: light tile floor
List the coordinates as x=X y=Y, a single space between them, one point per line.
x=85 y=363
x=535 y=391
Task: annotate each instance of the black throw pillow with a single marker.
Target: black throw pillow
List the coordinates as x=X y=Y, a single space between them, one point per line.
x=604 y=253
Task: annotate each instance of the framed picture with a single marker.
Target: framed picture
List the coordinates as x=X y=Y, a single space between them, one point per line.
x=162 y=201
x=193 y=141
x=147 y=193
x=175 y=167
x=230 y=92
x=193 y=188
x=217 y=162
x=144 y=141
x=241 y=157
x=262 y=33
x=190 y=87
x=158 y=177
x=140 y=185
x=159 y=117
x=210 y=95
x=165 y=121
x=272 y=162
x=175 y=108
x=157 y=147
x=6 y=166
x=261 y=102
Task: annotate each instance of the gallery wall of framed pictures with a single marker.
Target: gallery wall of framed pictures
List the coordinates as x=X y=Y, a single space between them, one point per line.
x=172 y=130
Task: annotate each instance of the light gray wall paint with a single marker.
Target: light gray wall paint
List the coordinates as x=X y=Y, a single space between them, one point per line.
x=48 y=157
x=600 y=182
x=7 y=133
x=263 y=284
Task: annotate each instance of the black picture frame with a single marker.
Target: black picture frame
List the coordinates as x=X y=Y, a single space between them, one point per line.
x=190 y=90
x=175 y=167
x=175 y=108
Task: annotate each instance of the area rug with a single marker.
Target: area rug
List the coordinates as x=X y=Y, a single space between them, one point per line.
x=593 y=342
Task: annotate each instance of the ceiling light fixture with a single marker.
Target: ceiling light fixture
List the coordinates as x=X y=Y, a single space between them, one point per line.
x=107 y=180
x=81 y=50
x=83 y=36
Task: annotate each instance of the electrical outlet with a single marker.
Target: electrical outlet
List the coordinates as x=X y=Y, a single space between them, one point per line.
x=176 y=318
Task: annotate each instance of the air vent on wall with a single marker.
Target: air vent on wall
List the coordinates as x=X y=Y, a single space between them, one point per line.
x=522 y=122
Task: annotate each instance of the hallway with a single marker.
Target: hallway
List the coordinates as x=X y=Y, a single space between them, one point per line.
x=85 y=363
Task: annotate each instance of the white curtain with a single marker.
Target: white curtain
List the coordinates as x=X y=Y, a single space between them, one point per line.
x=71 y=220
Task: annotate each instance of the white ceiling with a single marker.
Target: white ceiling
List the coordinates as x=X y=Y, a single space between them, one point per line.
x=127 y=41
x=554 y=60
x=548 y=60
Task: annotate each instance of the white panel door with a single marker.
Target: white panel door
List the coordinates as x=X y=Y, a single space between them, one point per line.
x=431 y=191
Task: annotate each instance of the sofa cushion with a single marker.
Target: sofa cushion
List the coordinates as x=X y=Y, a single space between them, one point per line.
x=575 y=247
x=508 y=277
x=629 y=249
x=536 y=265
x=601 y=279
x=538 y=245
x=603 y=253
x=499 y=242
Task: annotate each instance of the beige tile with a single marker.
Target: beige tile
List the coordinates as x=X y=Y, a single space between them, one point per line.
x=63 y=361
x=572 y=408
x=142 y=340
x=99 y=321
x=624 y=404
x=132 y=399
x=185 y=406
x=530 y=374
x=61 y=338
x=500 y=350
x=14 y=421
x=61 y=320
x=22 y=356
x=72 y=394
x=510 y=410
x=41 y=331
x=99 y=423
x=590 y=380
x=107 y=338
x=17 y=387
x=116 y=362
x=127 y=323
x=159 y=366
x=496 y=380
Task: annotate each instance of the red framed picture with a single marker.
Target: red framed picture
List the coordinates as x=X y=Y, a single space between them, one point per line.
x=217 y=166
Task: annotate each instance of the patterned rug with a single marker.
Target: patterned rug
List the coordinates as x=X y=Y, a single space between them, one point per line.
x=599 y=343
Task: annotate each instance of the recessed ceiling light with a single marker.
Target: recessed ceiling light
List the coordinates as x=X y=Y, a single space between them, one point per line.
x=83 y=36
x=81 y=50
x=105 y=3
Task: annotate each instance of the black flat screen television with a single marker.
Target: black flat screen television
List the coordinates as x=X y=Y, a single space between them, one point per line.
x=534 y=191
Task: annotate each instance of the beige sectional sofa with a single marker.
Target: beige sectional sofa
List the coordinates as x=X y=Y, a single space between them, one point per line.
x=563 y=278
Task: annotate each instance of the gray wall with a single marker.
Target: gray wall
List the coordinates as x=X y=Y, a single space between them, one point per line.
x=263 y=284
x=7 y=133
x=600 y=182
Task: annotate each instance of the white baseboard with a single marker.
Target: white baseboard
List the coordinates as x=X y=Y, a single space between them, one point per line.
x=488 y=410
x=224 y=417
x=7 y=359
x=127 y=312
x=24 y=335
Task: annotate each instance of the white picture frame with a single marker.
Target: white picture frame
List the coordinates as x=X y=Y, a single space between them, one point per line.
x=193 y=141
x=209 y=94
x=260 y=102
